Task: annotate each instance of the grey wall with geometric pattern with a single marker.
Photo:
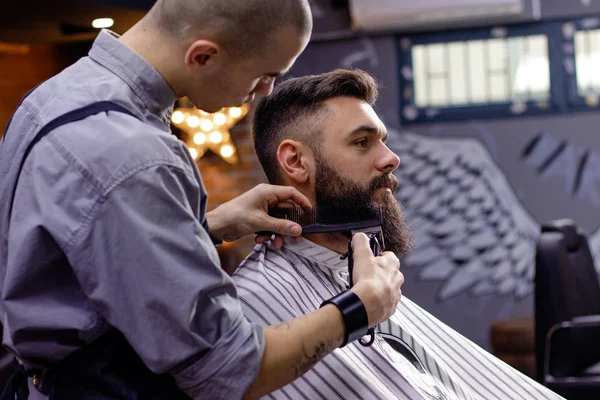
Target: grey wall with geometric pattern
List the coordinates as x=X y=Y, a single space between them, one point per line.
x=523 y=170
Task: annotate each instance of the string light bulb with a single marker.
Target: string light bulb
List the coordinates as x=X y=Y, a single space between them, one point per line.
x=220 y=118
x=215 y=137
x=178 y=117
x=209 y=131
x=193 y=121
x=227 y=151
x=206 y=125
x=235 y=112
x=200 y=138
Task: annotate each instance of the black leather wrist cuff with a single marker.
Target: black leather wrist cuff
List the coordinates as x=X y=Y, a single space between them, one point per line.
x=356 y=320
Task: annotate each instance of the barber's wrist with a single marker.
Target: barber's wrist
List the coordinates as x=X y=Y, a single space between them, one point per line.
x=354 y=315
x=370 y=294
x=216 y=225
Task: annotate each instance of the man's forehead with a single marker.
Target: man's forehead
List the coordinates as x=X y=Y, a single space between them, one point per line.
x=351 y=113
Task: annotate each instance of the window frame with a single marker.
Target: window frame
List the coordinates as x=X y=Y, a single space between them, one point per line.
x=576 y=101
x=558 y=100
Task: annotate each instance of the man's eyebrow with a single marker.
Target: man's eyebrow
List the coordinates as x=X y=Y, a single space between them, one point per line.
x=368 y=129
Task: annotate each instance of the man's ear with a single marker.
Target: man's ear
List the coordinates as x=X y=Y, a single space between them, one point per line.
x=200 y=53
x=293 y=160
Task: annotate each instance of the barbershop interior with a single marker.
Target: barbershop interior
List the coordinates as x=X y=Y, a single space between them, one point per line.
x=468 y=123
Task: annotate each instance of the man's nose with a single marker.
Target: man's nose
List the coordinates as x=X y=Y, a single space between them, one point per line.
x=264 y=88
x=388 y=161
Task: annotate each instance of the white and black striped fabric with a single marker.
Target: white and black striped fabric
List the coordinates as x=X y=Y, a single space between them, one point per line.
x=414 y=356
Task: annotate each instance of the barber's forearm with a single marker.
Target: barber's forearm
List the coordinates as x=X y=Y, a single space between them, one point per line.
x=295 y=346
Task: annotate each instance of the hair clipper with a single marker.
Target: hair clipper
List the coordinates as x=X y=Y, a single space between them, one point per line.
x=376 y=244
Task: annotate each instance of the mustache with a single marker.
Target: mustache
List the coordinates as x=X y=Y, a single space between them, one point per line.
x=388 y=180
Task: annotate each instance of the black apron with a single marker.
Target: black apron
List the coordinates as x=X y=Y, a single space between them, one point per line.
x=107 y=368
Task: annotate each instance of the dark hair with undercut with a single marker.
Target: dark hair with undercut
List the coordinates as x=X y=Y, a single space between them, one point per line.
x=242 y=27
x=294 y=111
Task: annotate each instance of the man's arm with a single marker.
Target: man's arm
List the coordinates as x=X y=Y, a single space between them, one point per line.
x=293 y=347
x=150 y=270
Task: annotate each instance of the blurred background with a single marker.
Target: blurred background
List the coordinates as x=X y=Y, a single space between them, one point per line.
x=492 y=106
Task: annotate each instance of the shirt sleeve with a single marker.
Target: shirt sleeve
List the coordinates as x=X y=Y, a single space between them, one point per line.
x=148 y=263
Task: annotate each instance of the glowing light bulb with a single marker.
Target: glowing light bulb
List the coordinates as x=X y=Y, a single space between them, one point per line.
x=177 y=117
x=235 y=112
x=193 y=153
x=206 y=125
x=215 y=137
x=219 y=118
x=193 y=121
x=100 y=23
x=200 y=138
x=227 y=151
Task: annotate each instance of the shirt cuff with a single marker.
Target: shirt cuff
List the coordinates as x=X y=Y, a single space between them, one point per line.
x=216 y=242
x=229 y=368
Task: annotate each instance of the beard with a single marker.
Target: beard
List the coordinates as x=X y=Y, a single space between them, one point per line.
x=345 y=196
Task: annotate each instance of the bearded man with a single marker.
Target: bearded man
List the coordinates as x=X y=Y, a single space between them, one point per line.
x=321 y=135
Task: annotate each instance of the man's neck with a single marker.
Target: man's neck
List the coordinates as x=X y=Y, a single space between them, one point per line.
x=144 y=39
x=331 y=242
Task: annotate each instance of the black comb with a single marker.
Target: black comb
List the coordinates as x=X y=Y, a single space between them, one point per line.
x=325 y=219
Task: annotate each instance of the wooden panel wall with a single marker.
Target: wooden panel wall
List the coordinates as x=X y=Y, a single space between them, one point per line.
x=24 y=66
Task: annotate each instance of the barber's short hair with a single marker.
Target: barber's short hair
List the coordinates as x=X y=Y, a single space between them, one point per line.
x=242 y=27
x=294 y=111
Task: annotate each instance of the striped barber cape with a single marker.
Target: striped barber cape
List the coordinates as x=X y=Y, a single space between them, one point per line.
x=414 y=356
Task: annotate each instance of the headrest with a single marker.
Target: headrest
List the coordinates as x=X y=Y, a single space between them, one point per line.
x=568 y=229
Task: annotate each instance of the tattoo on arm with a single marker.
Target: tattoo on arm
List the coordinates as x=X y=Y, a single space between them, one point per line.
x=309 y=359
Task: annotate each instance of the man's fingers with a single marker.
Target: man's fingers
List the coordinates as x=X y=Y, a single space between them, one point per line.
x=279 y=194
x=278 y=242
x=360 y=247
x=285 y=204
x=260 y=239
x=391 y=257
x=280 y=226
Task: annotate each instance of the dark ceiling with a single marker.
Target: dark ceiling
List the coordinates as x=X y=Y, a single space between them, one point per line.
x=39 y=21
x=56 y=21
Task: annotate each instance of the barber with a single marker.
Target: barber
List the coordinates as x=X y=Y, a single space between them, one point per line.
x=110 y=283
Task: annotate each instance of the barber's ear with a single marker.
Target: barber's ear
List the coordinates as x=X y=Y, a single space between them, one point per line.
x=292 y=158
x=200 y=53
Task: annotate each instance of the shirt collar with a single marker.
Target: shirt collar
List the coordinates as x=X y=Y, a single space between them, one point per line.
x=321 y=255
x=145 y=81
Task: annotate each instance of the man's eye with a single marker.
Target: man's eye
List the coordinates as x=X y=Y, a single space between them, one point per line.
x=362 y=143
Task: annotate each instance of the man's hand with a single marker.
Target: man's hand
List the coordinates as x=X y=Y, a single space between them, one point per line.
x=247 y=214
x=377 y=280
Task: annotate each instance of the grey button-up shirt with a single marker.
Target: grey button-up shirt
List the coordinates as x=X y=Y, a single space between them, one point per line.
x=122 y=199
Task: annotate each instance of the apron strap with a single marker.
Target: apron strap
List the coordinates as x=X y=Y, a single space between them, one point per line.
x=17 y=387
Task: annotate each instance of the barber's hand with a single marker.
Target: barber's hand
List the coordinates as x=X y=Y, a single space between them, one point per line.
x=247 y=214
x=377 y=280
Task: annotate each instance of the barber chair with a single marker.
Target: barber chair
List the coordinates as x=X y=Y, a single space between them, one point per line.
x=567 y=313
